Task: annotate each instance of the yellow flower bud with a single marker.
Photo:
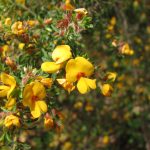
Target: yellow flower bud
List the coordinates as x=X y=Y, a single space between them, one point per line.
x=82 y=11
x=89 y=107
x=21 y=46
x=78 y=105
x=8 y=21
x=113 y=21
x=111 y=76
x=106 y=89
x=67 y=146
x=106 y=139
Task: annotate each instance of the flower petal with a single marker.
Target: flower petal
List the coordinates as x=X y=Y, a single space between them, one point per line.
x=84 y=66
x=35 y=111
x=51 y=67
x=27 y=95
x=82 y=86
x=39 y=90
x=4 y=90
x=42 y=105
x=10 y=103
x=39 y=107
x=76 y=66
x=91 y=83
x=71 y=70
x=8 y=80
x=61 y=53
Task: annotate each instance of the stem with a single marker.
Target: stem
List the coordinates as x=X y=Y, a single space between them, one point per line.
x=14 y=145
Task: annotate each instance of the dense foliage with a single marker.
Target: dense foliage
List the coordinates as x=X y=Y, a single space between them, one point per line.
x=74 y=74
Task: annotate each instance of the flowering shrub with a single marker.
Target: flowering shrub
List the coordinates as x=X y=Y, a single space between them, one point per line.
x=49 y=87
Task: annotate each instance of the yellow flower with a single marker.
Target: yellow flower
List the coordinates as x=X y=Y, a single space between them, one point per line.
x=82 y=11
x=68 y=6
x=106 y=89
x=125 y=49
x=21 y=46
x=51 y=67
x=114 y=43
x=32 y=23
x=8 y=21
x=11 y=120
x=111 y=76
x=45 y=81
x=78 y=105
x=106 y=139
x=67 y=146
x=10 y=103
x=33 y=96
x=79 y=69
x=5 y=49
x=18 y=28
x=66 y=85
x=7 y=85
x=48 y=121
x=113 y=21
x=89 y=107
x=60 y=54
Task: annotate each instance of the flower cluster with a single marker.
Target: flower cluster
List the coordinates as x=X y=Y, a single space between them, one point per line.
x=39 y=57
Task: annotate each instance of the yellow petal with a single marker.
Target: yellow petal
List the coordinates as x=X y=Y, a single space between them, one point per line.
x=61 y=81
x=68 y=6
x=66 y=85
x=71 y=70
x=106 y=89
x=35 y=111
x=111 y=76
x=82 y=86
x=11 y=120
x=21 y=46
x=51 y=67
x=76 y=66
x=10 y=103
x=81 y=11
x=91 y=83
x=4 y=90
x=61 y=53
x=39 y=90
x=27 y=95
x=47 y=82
x=42 y=105
x=84 y=66
x=8 y=80
x=39 y=107
x=16 y=122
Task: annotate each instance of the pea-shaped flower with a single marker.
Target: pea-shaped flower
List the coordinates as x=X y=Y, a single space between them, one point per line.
x=80 y=69
x=7 y=85
x=33 y=97
x=11 y=120
x=60 y=54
